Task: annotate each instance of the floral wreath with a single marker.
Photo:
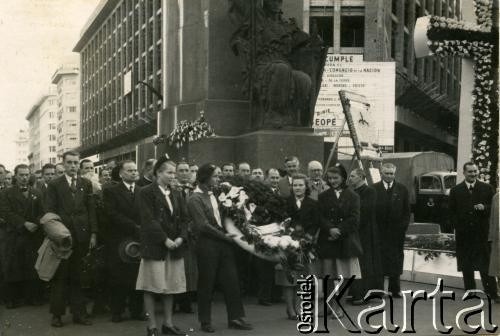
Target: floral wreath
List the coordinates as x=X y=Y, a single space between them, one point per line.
x=187 y=131
x=258 y=214
x=447 y=36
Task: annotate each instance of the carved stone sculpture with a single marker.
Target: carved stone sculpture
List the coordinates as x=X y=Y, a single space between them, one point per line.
x=282 y=64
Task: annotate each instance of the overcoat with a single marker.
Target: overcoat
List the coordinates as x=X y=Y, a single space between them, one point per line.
x=122 y=223
x=341 y=213
x=471 y=226
x=393 y=218
x=21 y=246
x=368 y=232
x=494 y=238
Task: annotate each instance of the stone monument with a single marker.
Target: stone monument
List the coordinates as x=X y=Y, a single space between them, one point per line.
x=259 y=103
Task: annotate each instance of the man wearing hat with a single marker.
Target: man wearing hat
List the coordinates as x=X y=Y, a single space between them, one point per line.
x=123 y=216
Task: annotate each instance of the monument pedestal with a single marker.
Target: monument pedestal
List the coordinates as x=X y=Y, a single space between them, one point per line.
x=264 y=148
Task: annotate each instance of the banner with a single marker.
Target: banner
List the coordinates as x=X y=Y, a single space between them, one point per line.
x=376 y=81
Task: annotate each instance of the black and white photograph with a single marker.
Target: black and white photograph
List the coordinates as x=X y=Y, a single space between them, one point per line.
x=249 y=167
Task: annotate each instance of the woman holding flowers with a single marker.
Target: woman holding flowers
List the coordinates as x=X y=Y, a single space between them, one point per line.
x=303 y=212
x=216 y=263
x=338 y=241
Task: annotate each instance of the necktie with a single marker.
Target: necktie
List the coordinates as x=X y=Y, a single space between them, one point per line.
x=73 y=185
x=215 y=208
x=24 y=189
x=471 y=188
x=131 y=188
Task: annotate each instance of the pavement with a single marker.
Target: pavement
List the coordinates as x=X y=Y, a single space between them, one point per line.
x=35 y=321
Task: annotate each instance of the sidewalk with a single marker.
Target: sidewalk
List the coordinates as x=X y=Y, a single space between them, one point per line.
x=35 y=321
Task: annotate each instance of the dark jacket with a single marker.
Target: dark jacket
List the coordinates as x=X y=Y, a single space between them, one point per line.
x=368 y=232
x=21 y=245
x=285 y=188
x=341 y=213
x=393 y=218
x=471 y=226
x=122 y=213
x=143 y=182
x=202 y=215
x=77 y=211
x=158 y=223
x=307 y=217
x=122 y=222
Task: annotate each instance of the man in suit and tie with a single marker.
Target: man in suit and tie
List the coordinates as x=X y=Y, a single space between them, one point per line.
x=123 y=216
x=315 y=182
x=273 y=179
x=393 y=218
x=21 y=208
x=71 y=197
x=48 y=174
x=470 y=204
x=292 y=167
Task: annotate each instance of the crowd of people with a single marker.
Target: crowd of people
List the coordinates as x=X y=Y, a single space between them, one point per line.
x=170 y=214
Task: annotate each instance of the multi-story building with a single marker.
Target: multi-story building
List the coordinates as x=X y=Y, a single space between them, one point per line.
x=67 y=81
x=22 y=147
x=427 y=90
x=121 y=55
x=43 y=131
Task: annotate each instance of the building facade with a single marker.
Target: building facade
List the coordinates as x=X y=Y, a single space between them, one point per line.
x=22 y=147
x=67 y=81
x=121 y=69
x=427 y=90
x=42 y=120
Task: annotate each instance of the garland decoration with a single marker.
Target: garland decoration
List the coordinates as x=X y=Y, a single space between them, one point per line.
x=186 y=132
x=432 y=245
x=447 y=36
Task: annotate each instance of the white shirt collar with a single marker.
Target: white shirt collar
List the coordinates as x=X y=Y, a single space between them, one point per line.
x=388 y=185
x=128 y=185
x=69 y=178
x=165 y=192
x=470 y=184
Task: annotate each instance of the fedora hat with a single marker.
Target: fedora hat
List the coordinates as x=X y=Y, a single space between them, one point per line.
x=130 y=251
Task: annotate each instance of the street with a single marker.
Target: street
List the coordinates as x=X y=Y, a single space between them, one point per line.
x=35 y=321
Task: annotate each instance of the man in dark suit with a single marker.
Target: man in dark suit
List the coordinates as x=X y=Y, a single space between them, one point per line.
x=470 y=203
x=71 y=197
x=48 y=174
x=292 y=167
x=147 y=173
x=393 y=218
x=123 y=217
x=21 y=207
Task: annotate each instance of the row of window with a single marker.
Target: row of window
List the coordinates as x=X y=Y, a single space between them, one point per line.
x=130 y=40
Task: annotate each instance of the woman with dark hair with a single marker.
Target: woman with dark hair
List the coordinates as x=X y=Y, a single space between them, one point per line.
x=163 y=233
x=216 y=263
x=303 y=212
x=338 y=241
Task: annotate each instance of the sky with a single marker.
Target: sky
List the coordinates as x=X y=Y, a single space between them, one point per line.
x=37 y=37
